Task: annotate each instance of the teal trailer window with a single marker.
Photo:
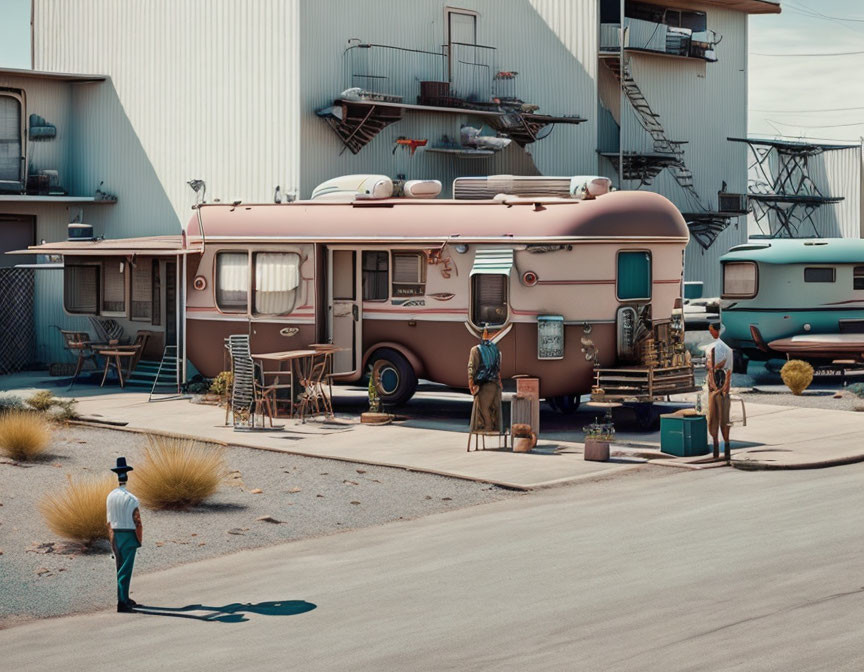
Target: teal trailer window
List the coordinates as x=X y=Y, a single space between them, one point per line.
x=634 y=275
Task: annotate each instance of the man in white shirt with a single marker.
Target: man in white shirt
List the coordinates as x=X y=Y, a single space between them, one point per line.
x=125 y=533
x=718 y=367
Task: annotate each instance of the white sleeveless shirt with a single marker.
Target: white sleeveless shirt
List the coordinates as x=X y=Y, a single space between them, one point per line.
x=120 y=506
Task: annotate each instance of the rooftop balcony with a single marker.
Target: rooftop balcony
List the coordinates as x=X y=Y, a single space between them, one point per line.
x=660 y=39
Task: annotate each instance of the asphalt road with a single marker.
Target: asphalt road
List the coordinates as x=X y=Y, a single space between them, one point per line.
x=658 y=570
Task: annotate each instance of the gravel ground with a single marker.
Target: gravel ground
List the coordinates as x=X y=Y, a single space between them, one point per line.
x=41 y=576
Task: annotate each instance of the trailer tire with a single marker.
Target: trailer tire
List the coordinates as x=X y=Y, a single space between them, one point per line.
x=739 y=362
x=565 y=404
x=394 y=376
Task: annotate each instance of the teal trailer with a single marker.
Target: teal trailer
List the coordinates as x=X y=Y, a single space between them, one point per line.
x=794 y=298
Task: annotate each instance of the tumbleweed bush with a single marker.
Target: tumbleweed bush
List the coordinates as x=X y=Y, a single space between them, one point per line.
x=23 y=435
x=78 y=510
x=797 y=375
x=176 y=472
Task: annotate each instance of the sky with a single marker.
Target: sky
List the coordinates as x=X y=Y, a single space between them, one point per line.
x=792 y=92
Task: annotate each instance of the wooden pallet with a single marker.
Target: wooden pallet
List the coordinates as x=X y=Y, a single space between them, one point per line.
x=643 y=383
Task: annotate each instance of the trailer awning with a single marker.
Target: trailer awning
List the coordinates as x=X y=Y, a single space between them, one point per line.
x=495 y=261
x=149 y=246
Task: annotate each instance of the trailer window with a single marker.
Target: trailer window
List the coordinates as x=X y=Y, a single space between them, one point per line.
x=232 y=282
x=634 y=275
x=489 y=299
x=819 y=274
x=409 y=274
x=81 y=289
x=142 y=290
x=858 y=277
x=114 y=287
x=740 y=279
x=376 y=268
x=277 y=276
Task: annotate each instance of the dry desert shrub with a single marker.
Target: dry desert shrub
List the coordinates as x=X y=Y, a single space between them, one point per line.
x=78 y=511
x=176 y=472
x=23 y=435
x=797 y=375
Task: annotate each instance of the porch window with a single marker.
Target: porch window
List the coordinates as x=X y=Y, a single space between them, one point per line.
x=277 y=276
x=232 y=282
x=142 y=290
x=858 y=277
x=819 y=274
x=376 y=268
x=409 y=274
x=634 y=275
x=114 y=287
x=11 y=146
x=81 y=289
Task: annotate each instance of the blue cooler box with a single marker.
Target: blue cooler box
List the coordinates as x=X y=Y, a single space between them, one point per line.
x=684 y=436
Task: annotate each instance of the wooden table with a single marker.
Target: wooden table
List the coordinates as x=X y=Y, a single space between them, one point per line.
x=299 y=361
x=113 y=355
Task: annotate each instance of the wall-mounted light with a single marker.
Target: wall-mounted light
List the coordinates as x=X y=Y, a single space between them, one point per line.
x=461 y=248
x=529 y=278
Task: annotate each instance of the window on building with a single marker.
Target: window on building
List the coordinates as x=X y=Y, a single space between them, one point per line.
x=376 y=268
x=142 y=290
x=461 y=26
x=674 y=18
x=634 y=275
x=232 y=281
x=156 y=284
x=489 y=298
x=409 y=274
x=858 y=277
x=114 y=287
x=819 y=274
x=740 y=279
x=277 y=277
x=81 y=289
x=11 y=144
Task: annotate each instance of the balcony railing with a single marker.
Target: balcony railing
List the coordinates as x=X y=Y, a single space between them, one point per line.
x=454 y=74
x=660 y=38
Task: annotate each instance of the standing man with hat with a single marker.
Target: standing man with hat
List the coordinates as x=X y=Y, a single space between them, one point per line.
x=124 y=532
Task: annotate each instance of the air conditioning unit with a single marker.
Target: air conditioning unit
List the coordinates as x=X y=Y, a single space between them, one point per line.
x=733 y=203
x=483 y=188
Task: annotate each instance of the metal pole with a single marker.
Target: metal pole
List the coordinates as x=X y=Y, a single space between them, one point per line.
x=621 y=39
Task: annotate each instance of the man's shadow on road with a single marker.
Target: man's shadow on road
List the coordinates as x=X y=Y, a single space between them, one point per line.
x=230 y=613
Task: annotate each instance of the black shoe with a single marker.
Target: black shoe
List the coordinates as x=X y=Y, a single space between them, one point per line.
x=124 y=607
x=131 y=602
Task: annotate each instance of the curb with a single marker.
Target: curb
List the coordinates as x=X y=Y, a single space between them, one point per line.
x=767 y=466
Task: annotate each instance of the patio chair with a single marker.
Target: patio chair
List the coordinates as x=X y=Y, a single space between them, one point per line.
x=108 y=331
x=78 y=344
x=314 y=397
x=247 y=399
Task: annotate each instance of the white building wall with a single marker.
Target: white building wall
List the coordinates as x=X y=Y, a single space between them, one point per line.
x=550 y=43
x=199 y=89
x=701 y=104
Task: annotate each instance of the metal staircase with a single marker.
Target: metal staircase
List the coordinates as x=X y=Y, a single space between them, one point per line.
x=162 y=375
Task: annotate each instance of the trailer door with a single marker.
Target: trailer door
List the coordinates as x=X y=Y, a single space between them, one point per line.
x=344 y=308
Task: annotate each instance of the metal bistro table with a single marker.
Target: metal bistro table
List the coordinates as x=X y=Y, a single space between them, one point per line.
x=300 y=364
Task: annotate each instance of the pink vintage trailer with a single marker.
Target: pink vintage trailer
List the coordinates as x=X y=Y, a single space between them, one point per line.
x=572 y=288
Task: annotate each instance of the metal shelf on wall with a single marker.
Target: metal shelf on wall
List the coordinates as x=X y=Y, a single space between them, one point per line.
x=463 y=153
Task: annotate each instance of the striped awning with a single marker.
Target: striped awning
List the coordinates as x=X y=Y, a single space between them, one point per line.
x=495 y=261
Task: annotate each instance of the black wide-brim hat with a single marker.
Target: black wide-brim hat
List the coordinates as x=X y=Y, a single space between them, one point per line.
x=121 y=467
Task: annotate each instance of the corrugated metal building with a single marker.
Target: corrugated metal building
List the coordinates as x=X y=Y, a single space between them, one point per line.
x=228 y=92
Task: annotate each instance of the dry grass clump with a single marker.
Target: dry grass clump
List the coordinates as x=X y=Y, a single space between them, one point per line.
x=42 y=400
x=23 y=435
x=797 y=375
x=176 y=472
x=78 y=511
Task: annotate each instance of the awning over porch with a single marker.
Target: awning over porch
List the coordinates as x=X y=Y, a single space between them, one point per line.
x=121 y=247
x=495 y=261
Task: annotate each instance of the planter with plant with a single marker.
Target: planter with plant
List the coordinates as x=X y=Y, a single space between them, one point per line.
x=598 y=436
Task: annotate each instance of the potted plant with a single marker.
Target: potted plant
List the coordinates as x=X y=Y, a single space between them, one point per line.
x=598 y=436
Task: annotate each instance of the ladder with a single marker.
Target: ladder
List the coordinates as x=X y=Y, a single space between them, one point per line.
x=166 y=376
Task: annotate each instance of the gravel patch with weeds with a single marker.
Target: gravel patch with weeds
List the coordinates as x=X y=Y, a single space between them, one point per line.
x=268 y=498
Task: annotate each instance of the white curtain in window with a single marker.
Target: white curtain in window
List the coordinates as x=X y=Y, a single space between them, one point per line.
x=10 y=139
x=277 y=276
x=81 y=289
x=232 y=280
x=113 y=287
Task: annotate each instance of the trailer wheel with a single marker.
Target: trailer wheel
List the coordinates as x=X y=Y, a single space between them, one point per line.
x=394 y=377
x=565 y=404
x=739 y=362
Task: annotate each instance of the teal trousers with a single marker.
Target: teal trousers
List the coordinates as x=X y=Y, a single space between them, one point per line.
x=125 y=544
